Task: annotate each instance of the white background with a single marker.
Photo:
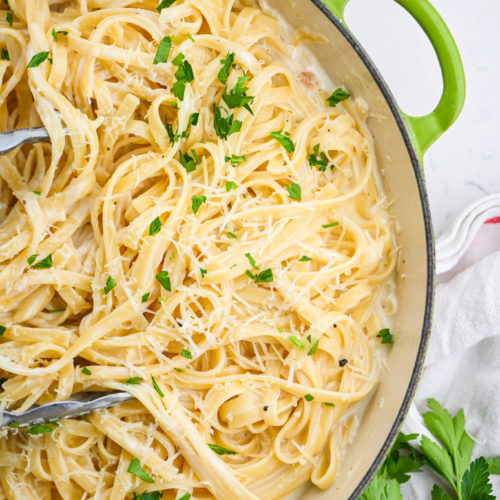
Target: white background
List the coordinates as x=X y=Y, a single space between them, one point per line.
x=464 y=164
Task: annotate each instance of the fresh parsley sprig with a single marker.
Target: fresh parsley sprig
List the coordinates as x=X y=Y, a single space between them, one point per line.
x=449 y=456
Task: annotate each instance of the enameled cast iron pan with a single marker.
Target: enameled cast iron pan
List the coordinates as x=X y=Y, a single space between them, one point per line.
x=400 y=142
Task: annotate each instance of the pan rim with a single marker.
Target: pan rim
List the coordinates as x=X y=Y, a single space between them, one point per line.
x=430 y=247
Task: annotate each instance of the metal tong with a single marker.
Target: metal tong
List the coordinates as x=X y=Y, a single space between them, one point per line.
x=79 y=404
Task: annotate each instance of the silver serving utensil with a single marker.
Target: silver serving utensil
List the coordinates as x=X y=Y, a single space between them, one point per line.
x=78 y=404
x=13 y=138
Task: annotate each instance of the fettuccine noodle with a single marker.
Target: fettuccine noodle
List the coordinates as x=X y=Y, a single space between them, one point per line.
x=217 y=244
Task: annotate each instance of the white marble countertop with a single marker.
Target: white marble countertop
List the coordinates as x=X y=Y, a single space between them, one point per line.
x=464 y=164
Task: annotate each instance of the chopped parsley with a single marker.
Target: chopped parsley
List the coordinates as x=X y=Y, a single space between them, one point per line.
x=337 y=96
x=385 y=336
x=286 y=142
x=44 y=428
x=86 y=371
x=5 y=55
x=186 y=354
x=55 y=33
x=134 y=381
x=145 y=297
x=110 y=284
x=164 y=4
x=155 y=226
x=225 y=126
x=308 y=397
x=235 y=159
x=196 y=202
x=175 y=136
x=45 y=263
x=156 y=387
x=203 y=271
x=329 y=404
x=153 y=495
x=187 y=162
x=297 y=342
x=164 y=280
x=224 y=71
x=331 y=224
x=294 y=191
x=195 y=154
x=183 y=75
x=220 y=450
x=136 y=469
x=9 y=17
x=265 y=276
x=32 y=258
x=163 y=50
x=230 y=185
x=2 y=330
x=318 y=159
x=237 y=96
x=305 y=258
x=38 y=193
x=186 y=496
x=231 y=235
x=313 y=348
x=180 y=370
x=252 y=261
x=38 y=59
x=191 y=37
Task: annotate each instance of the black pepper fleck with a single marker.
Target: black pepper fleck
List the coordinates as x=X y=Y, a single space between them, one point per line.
x=266 y=408
x=335 y=325
x=342 y=362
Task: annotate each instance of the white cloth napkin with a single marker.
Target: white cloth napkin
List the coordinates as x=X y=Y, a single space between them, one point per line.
x=462 y=368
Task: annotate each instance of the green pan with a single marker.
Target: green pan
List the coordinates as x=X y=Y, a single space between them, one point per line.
x=401 y=141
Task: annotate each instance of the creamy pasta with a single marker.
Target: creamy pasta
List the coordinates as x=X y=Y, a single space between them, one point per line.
x=206 y=230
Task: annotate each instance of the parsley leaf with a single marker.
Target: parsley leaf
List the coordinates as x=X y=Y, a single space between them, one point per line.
x=2 y=330
x=309 y=397
x=187 y=161
x=230 y=185
x=186 y=354
x=145 y=297
x=164 y=4
x=164 y=280
x=136 y=469
x=110 y=284
x=476 y=482
x=156 y=387
x=380 y=489
x=134 y=381
x=9 y=17
x=235 y=159
x=220 y=450
x=265 y=276
x=321 y=162
x=183 y=75
x=237 y=96
x=186 y=496
x=38 y=59
x=44 y=428
x=252 y=261
x=294 y=191
x=337 y=96
x=32 y=258
x=231 y=235
x=54 y=33
x=438 y=494
x=163 y=50
x=5 y=55
x=224 y=71
x=286 y=142
x=45 y=263
x=326 y=226
x=305 y=258
x=297 y=342
x=314 y=348
x=196 y=202
x=155 y=226
x=225 y=126
x=493 y=465
x=86 y=371
x=386 y=336
x=203 y=272
x=153 y=495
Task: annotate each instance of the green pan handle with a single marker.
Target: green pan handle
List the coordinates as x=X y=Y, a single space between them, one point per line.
x=426 y=129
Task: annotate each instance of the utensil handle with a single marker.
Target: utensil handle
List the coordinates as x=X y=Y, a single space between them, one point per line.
x=426 y=129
